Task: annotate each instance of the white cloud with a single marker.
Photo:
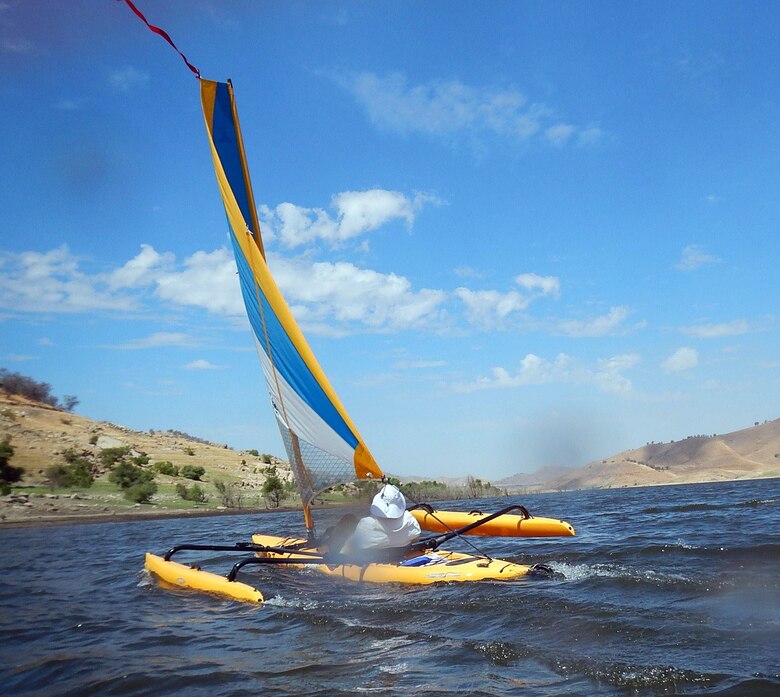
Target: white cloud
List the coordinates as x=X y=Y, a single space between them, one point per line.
x=694 y=257
x=355 y=213
x=611 y=323
x=489 y=308
x=446 y=108
x=141 y=269
x=52 y=282
x=17 y=357
x=559 y=134
x=590 y=135
x=716 y=331
x=201 y=364
x=326 y=297
x=208 y=280
x=547 y=285
x=159 y=340
x=606 y=375
x=128 y=79
x=682 y=359
x=467 y=272
x=341 y=296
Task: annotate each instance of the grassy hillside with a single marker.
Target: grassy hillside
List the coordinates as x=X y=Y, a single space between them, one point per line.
x=43 y=436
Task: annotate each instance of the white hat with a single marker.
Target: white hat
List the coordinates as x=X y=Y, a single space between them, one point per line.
x=388 y=503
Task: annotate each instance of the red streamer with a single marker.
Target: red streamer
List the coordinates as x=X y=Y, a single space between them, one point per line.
x=164 y=35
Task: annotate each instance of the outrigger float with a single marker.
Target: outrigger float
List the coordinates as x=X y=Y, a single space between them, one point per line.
x=322 y=443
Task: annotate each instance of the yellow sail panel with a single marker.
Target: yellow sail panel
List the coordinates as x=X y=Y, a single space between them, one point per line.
x=322 y=442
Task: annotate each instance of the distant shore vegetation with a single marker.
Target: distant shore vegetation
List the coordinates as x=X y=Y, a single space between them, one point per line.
x=18 y=384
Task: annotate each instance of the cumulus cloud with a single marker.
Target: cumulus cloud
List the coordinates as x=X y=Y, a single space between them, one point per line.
x=354 y=213
x=326 y=297
x=141 y=269
x=715 y=331
x=207 y=280
x=546 y=285
x=52 y=282
x=606 y=375
x=448 y=108
x=611 y=323
x=682 y=359
x=694 y=256
x=489 y=308
x=343 y=296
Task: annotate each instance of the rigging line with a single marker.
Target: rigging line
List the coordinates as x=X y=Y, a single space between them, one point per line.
x=433 y=515
x=163 y=34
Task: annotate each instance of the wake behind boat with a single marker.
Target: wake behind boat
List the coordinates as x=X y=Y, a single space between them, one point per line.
x=322 y=443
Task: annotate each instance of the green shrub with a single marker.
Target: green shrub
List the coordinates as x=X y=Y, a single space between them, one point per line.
x=75 y=474
x=110 y=457
x=254 y=452
x=80 y=475
x=8 y=473
x=192 y=472
x=189 y=451
x=126 y=476
x=141 y=492
x=166 y=467
x=265 y=458
x=193 y=493
x=142 y=459
x=229 y=494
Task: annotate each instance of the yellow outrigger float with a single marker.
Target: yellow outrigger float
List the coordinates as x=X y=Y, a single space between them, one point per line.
x=322 y=443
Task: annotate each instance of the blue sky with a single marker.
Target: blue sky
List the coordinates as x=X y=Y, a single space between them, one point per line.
x=515 y=234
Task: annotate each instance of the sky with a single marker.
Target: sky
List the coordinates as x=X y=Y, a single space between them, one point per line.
x=516 y=234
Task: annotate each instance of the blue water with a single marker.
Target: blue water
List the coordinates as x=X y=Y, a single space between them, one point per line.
x=669 y=590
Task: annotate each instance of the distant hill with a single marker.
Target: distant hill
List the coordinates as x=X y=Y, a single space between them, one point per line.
x=751 y=453
x=538 y=480
x=40 y=434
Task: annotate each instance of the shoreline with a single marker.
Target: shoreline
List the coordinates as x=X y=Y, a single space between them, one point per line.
x=136 y=516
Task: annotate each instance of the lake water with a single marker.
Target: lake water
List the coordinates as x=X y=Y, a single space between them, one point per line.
x=668 y=590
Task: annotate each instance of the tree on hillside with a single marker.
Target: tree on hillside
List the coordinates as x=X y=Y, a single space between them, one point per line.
x=194 y=472
x=16 y=383
x=8 y=473
x=229 y=494
x=273 y=487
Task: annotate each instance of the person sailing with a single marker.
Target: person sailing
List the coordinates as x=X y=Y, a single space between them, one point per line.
x=388 y=527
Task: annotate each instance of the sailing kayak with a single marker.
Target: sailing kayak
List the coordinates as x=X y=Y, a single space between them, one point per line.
x=442 y=566
x=504 y=526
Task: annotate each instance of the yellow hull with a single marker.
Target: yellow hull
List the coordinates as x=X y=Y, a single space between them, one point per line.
x=504 y=526
x=454 y=566
x=183 y=576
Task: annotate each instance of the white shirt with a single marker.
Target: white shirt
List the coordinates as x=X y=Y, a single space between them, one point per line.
x=379 y=533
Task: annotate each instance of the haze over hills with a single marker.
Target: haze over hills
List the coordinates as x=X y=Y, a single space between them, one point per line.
x=750 y=453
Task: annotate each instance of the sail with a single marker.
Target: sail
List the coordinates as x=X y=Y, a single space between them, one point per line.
x=322 y=443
